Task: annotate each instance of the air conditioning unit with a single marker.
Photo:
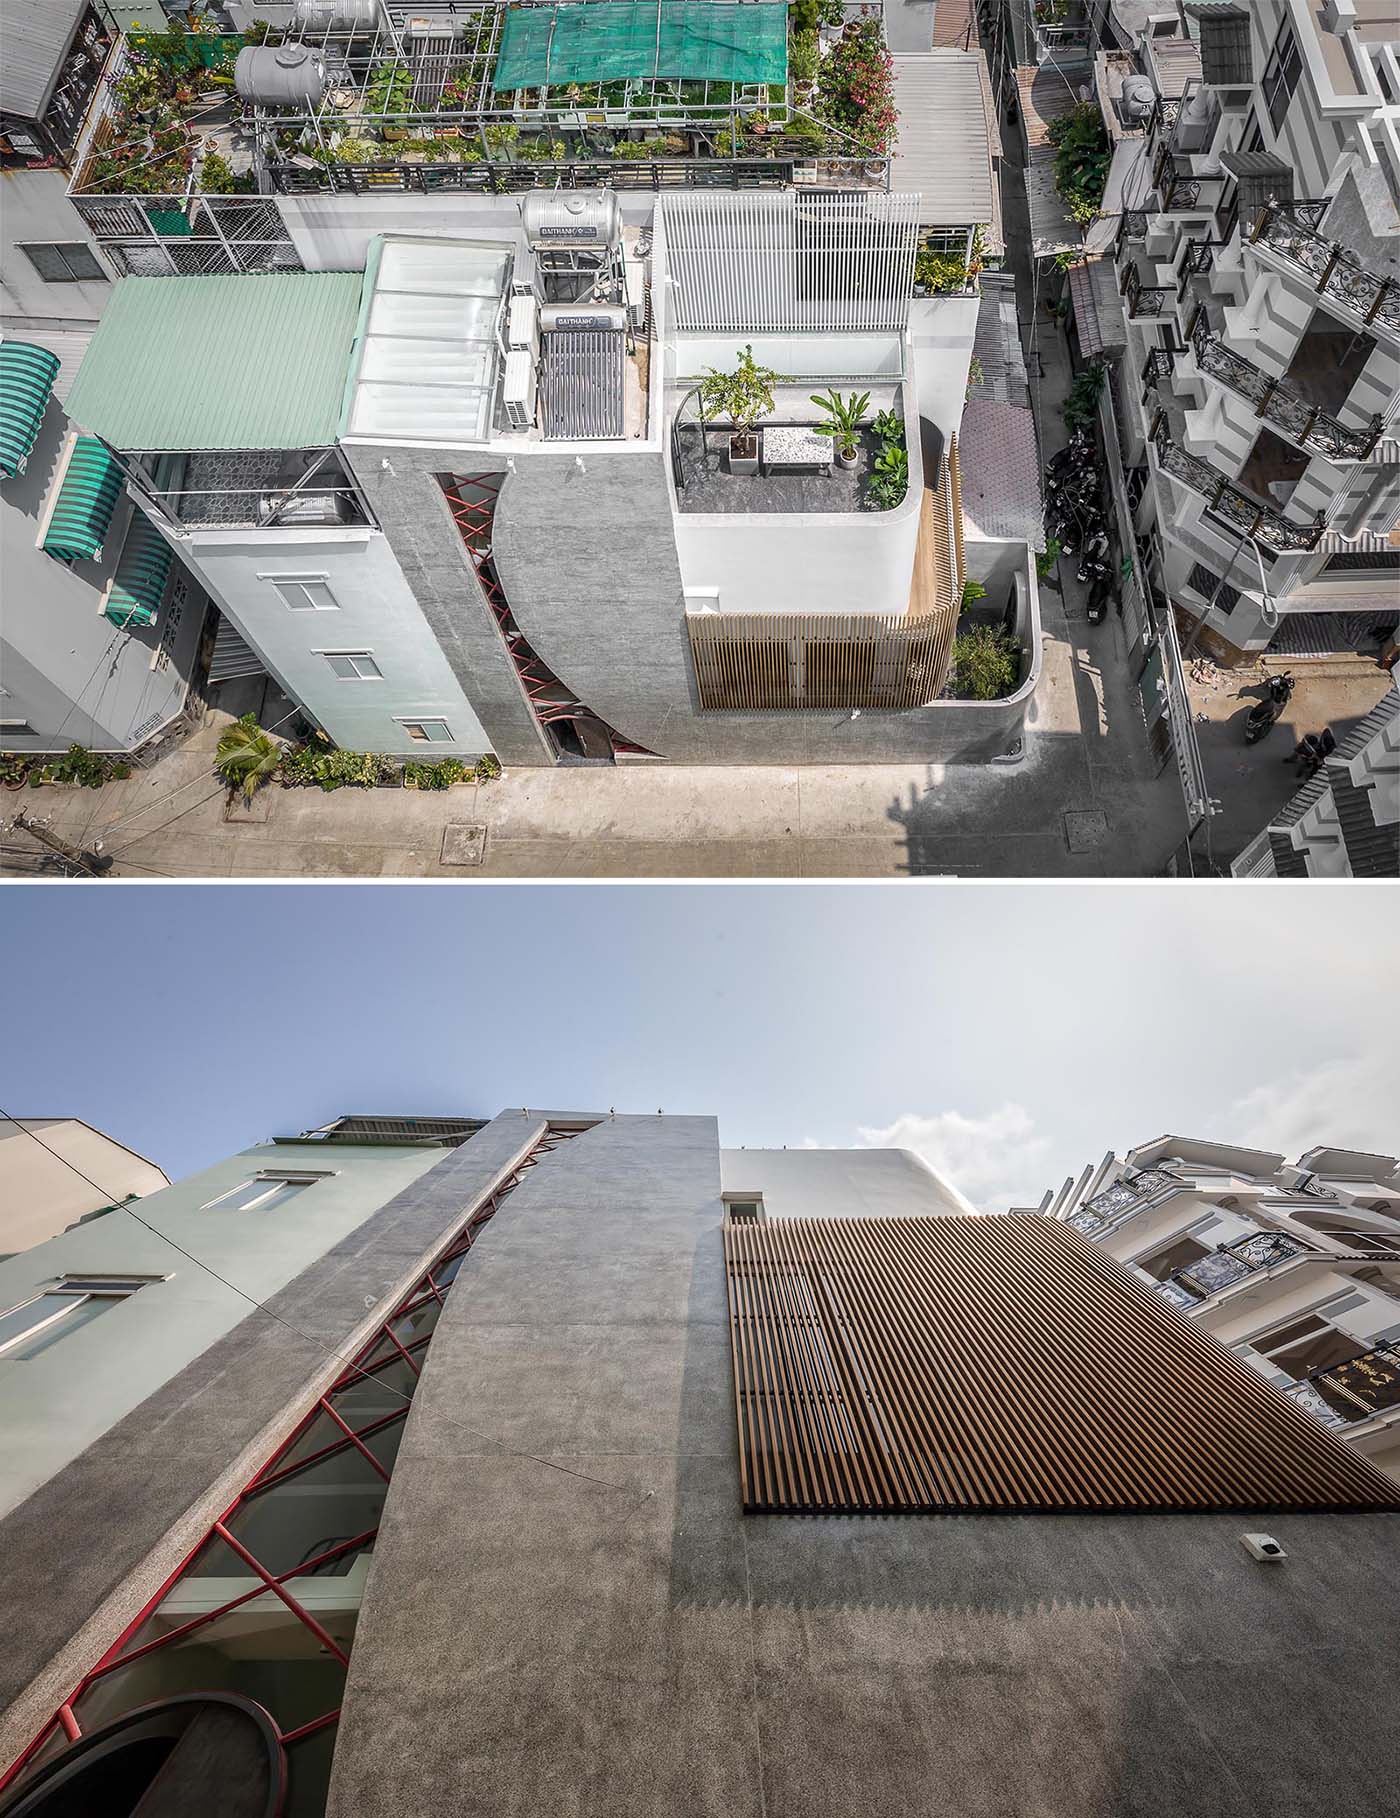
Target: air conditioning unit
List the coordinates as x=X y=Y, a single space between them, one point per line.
x=523 y=325
x=520 y=391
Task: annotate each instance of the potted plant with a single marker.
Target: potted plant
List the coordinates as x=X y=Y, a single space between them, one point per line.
x=843 y=422
x=743 y=396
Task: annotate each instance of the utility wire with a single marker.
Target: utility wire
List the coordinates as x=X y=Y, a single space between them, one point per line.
x=320 y=1344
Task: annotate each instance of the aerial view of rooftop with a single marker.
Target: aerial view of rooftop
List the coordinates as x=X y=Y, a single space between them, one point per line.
x=700 y=438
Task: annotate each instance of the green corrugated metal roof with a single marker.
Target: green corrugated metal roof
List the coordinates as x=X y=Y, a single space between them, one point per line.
x=82 y=513
x=141 y=575
x=26 y=379
x=256 y=361
x=694 y=40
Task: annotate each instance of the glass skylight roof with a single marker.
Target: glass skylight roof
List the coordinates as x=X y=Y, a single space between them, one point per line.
x=428 y=355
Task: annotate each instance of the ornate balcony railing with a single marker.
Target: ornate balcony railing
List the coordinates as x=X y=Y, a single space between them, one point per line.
x=1197 y=259
x=1230 y=502
x=1307 y=424
x=1130 y=1194
x=1289 y=229
x=1133 y=225
x=1231 y=1263
x=1159 y=364
x=1357 y=1390
x=1144 y=300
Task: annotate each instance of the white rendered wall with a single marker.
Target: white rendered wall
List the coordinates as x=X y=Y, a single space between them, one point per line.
x=377 y=612
x=34 y=206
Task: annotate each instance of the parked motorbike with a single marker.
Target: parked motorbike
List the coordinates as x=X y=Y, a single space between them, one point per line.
x=1098 y=600
x=1093 y=564
x=1264 y=714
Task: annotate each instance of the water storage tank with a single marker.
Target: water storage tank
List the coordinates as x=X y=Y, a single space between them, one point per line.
x=336 y=15
x=1136 y=100
x=292 y=75
x=578 y=217
x=556 y=318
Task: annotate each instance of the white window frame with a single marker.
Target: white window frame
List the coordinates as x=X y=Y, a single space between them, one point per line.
x=426 y=719
x=77 y=1290
x=760 y=1212
x=352 y=656
x=294 y=591
x=275 y=1180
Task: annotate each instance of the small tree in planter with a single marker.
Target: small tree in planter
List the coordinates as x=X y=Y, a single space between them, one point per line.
x=843 y=422
x=744 y=395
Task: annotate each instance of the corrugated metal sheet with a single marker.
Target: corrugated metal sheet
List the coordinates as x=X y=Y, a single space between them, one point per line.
x=944 y=146
x=27 y=374
x=70 y=344
x=87 y=496
x=34 y=40
x=245 y=362
x=983 y=1364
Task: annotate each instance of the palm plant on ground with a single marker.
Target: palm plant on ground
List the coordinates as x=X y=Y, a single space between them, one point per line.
x=246 y=756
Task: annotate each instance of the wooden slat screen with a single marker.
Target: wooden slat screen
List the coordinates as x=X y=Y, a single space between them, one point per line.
x=959 y=1363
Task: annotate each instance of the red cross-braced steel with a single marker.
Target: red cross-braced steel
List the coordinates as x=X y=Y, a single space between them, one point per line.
x=390 y=1359
x=472 y=498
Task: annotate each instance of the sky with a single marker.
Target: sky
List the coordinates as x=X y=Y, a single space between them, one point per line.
x=1007 y=1034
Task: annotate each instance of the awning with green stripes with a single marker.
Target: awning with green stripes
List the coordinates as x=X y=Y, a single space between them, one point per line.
x=87 y=498
x=695 y=40
x=26 y=378
x=141 y=575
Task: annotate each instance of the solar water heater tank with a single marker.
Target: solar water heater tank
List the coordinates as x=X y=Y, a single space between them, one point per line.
x=578 y=318
x=576 y=217
x=289 y=75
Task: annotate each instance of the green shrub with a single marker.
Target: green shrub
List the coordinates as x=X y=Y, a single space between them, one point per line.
x=972 y=592
x=440 y=775
x=889 y=478
x=487 y=768
x=1082 y=159
x=986 y=663
x=1046 y=560
x=1082 y=405
x=14 y=768
x=804 y=16
x=803 y=56
x=326 y=768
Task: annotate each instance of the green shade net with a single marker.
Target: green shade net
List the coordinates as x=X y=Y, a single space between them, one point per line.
x=544 y=46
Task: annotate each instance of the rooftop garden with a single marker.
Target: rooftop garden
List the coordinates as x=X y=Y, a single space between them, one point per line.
x=1082 y=159
x=175 y=91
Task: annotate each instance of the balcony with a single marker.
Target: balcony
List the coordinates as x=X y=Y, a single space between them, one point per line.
x=1345 y=1394
x=1234 y=1262
x=1145 y=301
x=1276 y=402
x=1133 y=1193
x=1266 y=526
x=1288 y=230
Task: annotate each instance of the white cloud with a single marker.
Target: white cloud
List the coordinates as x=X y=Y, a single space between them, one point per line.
x=1338 y=1104
x=996 y=1161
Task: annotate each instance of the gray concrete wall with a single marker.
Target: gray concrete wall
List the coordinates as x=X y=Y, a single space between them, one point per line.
x=567 y=1613
x=840 y=1183
x=99 y=1538
x=34 y=207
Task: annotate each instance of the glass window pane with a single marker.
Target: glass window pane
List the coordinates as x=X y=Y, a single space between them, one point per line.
x=35 y=1312
x=82 y=1313
x=279 y=1195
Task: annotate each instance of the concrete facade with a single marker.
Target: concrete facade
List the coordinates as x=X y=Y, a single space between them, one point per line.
x=840 y=1183
x=624 y=1640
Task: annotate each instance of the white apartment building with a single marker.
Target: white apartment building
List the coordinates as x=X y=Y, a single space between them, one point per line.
x=1345 y=821
x=1258 y=258
x=1294 y=1265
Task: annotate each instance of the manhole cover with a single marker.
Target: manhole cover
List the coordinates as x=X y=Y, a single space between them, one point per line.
x=1086 y=829
x=463 y=843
